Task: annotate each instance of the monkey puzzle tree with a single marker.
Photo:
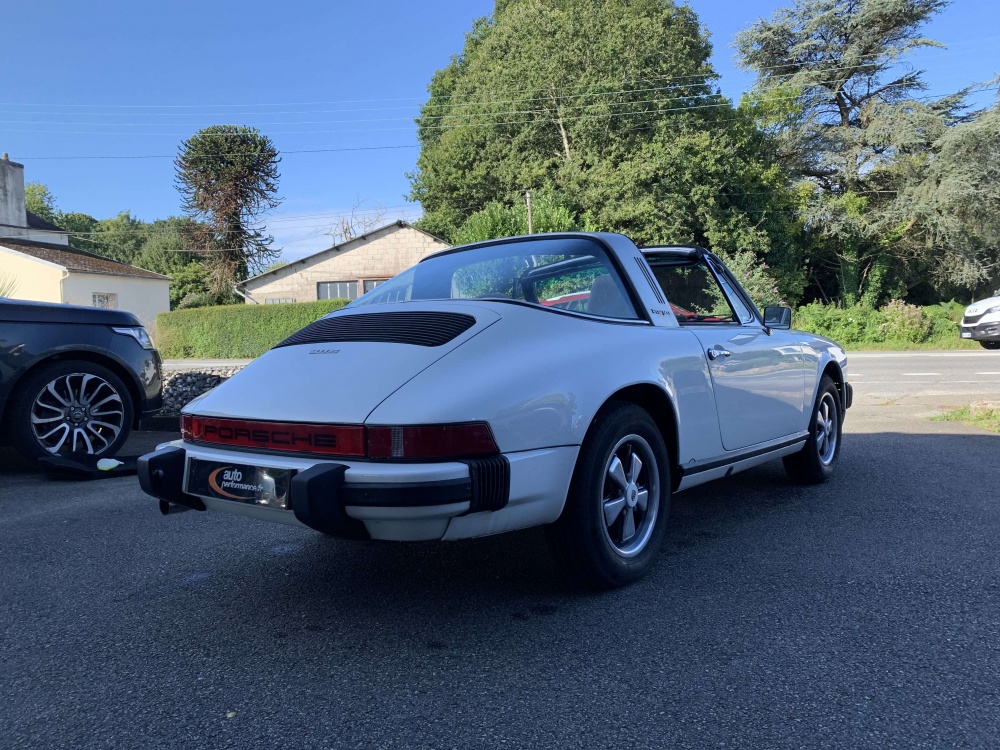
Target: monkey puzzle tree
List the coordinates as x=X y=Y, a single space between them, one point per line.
x=228 y=176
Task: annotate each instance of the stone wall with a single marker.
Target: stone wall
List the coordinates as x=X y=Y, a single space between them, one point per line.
x=180 y=386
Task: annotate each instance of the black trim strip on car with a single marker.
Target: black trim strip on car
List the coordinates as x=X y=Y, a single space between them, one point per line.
x=709 y=466
x=423 y=494
x=644 y=267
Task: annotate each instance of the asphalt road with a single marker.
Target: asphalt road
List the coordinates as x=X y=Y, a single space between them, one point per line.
x=861 y=613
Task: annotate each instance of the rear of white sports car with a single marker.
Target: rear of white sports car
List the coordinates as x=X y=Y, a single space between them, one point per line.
x=538 y=380
x=320 y=432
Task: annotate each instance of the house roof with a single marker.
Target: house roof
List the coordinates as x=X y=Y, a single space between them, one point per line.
x=37 y=222
x=400 y=224
x=74 y=259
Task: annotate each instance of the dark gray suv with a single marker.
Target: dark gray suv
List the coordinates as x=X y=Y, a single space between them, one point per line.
x=73 y=380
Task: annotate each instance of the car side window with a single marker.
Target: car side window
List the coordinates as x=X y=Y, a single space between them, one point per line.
x=743 y=313
x=694 y=294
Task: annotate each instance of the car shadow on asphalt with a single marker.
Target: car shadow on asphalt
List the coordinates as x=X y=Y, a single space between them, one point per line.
x=751 y=527
x=756 y=527
x=140 y=441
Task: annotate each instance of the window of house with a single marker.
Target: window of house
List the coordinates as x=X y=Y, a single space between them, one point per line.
x=337 y=290
x=279 y=300
x=107 y=300
x=372 y=283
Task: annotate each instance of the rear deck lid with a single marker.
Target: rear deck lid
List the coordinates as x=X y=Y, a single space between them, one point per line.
x=338 y=369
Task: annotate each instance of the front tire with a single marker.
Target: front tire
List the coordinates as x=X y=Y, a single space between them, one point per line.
x=612 y=527
x=990 y=344
x=71 y=408
x=815 y=462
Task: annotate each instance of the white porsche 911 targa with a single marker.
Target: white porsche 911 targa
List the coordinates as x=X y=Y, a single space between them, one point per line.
x=570 y=380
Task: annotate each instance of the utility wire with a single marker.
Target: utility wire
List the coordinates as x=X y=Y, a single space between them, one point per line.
x=720 y=124
x=554 y=97
x=693 y=76
x=451 y=126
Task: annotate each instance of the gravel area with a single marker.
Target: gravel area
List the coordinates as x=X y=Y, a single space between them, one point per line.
x=179 y=387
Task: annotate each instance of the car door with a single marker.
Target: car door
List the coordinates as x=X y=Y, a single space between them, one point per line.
x=758 y=375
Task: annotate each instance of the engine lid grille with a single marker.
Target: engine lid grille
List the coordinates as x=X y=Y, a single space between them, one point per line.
x=417 y=328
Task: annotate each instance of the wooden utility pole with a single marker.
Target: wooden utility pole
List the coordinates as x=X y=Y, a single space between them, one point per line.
x=527 y=196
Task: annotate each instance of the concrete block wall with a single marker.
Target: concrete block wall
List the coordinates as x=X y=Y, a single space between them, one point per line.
x=380 y=255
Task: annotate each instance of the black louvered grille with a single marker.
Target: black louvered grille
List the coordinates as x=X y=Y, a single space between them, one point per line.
x=490 y=483
x=970 y=320
x=419 y=328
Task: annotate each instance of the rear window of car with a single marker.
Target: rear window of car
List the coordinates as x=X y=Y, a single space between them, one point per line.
x=573 y=274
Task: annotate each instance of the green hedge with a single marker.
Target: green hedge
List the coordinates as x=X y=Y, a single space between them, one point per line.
x=244 y=331
x=897 y=325
x=234 y=331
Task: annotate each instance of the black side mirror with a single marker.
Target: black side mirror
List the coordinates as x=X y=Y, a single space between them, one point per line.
x=778 y=317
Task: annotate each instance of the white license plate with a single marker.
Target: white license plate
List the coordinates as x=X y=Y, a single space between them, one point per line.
x=966 y=335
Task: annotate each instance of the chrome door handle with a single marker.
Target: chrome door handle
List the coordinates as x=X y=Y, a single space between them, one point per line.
x=714 y=353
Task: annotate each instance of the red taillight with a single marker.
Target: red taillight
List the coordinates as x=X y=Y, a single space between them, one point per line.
x=325 y=439
x=432 y=441
x=443 y=441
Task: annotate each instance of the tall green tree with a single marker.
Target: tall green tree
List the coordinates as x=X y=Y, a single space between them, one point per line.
x=848 y=116
x=948 y=211
x=612 y=105
x=39 y=200
x=228 y=177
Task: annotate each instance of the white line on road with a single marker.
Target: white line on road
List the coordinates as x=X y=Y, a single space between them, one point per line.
x=988 y=373
x=903 y=355
x=922 y=374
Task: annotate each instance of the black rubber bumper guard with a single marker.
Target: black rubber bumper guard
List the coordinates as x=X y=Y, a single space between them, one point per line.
x=319 y=495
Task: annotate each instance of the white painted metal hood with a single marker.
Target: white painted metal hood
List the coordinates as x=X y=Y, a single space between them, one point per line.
x=981 y=306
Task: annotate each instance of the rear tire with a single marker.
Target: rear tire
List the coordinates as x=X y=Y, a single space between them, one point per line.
x=612 y=527
x=990 y=344
x=71 y=408
x=815 y=462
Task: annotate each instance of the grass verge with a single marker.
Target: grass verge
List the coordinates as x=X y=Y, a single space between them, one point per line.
x=984 y=415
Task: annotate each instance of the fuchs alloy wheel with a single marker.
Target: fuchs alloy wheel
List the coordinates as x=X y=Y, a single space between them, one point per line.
x=612 y=526
x=818 y=457
x=71 y=408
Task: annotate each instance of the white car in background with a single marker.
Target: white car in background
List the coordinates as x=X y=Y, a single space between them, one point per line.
x=982 y=322
x=567 y=380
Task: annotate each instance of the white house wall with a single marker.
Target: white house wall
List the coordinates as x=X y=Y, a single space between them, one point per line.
x=36 y=280
x=144 y=298
x=379 y=256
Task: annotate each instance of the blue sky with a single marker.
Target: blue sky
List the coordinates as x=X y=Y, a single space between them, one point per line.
x=113 y=79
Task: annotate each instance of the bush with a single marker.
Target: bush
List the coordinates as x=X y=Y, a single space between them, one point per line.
x=845 y=325
x=234 y=331
x=904 y=322
x=898 y=323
